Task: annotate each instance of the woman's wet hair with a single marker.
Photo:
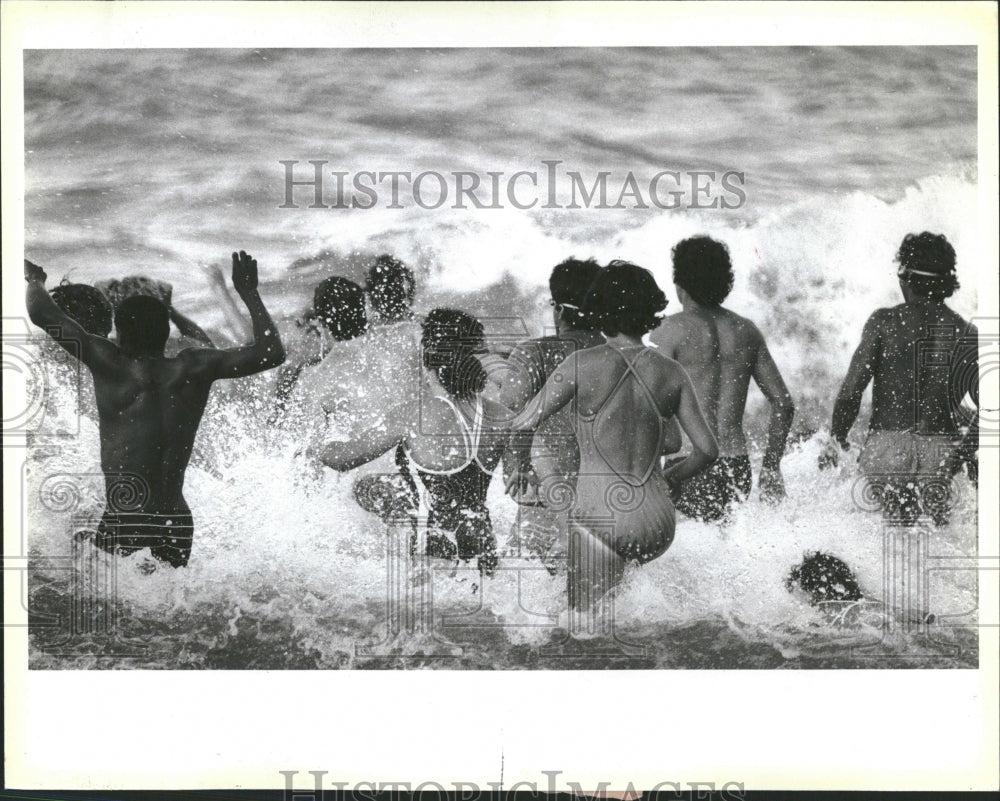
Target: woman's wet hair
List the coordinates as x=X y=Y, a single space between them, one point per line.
x=569 y=284
x=703 y=269
x=143 y=324
x=390 y=285
x=625 y=299
x=451 y=339
x=927 y=265
x=340 y=305
x=86 y=305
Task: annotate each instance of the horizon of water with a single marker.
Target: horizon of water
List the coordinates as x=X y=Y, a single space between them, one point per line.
x=161 y=162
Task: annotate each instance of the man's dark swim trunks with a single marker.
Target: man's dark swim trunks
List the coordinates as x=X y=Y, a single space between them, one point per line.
x=708 y=495
x=168 y=536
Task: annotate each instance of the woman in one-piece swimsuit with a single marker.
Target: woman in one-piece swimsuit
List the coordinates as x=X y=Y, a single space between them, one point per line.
x=447 y=453
x=624 y=394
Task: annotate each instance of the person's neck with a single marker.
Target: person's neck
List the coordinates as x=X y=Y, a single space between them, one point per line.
x=625 y=341
x=912 y=298
x=690 y=305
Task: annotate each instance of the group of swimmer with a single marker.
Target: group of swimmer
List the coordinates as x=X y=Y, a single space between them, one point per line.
x=586 y=422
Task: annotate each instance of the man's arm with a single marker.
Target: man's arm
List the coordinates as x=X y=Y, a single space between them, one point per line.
x=705 y=448
x=238 y=324
x=768 y=378
x=859 y=375
x=965 y=383
x=266 y=350
x=848 y=403
x=556 y=393
x=96 y=352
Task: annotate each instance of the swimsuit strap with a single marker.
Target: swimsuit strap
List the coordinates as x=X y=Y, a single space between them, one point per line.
x=630 y=370
x=471 y=438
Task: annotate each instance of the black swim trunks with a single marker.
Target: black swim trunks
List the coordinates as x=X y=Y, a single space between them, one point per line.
x=708 y=495
x=168 y=536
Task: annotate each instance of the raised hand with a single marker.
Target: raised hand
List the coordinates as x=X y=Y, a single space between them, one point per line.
x=32 y=272
x=244 y=273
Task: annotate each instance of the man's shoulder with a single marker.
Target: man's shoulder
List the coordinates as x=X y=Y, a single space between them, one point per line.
x=745 y=329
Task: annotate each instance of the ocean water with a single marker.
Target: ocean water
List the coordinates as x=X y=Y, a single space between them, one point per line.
x=162 y=162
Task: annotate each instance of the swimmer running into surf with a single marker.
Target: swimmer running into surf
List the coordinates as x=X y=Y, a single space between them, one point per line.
x=149 y=407
x=623 y=394
x=722 y=351
x=555 y=455
x=449 y=451
x=922 y=360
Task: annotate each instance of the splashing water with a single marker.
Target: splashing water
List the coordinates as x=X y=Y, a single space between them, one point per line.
x=286 y=570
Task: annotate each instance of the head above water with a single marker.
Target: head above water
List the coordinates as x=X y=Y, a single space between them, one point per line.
x=86 y=305
x=824 y=577
x=927 y=265
x=340 y=305
x=143 y=325
x=451 y=339
x=703 y=269
x=118 y=290
x=625 y=299
x=569 y=283
x=390 y=285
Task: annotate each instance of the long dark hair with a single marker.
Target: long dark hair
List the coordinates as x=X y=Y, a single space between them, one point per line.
x=450 y=340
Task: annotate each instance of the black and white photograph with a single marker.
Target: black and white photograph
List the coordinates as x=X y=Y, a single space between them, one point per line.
x=502 y=358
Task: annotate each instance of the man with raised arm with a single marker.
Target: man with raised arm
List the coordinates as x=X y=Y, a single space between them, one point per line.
x=722 y=351
x=922 y=360
x=149 y=407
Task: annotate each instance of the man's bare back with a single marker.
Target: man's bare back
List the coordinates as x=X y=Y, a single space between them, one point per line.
x=912 y=353
x=149 y=405
x=722 y=351
x=922 y=360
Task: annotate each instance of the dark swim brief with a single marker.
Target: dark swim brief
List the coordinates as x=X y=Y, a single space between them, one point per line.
x=168 y=536
x=708 y=495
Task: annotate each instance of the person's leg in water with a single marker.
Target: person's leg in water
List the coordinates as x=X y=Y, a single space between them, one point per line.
x=594 y=569
x=168 y=536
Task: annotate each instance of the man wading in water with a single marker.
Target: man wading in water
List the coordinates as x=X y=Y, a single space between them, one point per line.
x=150 y=406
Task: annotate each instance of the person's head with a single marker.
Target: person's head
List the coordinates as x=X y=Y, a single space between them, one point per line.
x=824 y=577
x=143 y=324
x=451 y=339
x=340 y=305
x=390 y=286
x=927 y=266
x=702 y=268
x=569 y=283
x=625 y=299
x=86 y=305
x=117 y=290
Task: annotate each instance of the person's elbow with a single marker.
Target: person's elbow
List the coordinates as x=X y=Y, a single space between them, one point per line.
x=273 y=354
x=709 y=451
x=338 y=460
